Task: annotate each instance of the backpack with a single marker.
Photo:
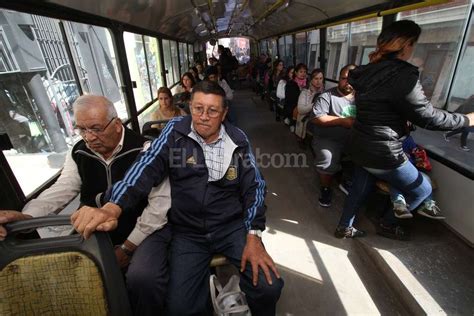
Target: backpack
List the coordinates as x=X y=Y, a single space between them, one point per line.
x=280 y=93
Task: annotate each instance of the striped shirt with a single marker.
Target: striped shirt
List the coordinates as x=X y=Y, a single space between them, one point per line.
x=213 y=153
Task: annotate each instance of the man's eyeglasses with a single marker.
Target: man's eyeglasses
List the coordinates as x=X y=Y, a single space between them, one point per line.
x=95 y=131
x=199 y=110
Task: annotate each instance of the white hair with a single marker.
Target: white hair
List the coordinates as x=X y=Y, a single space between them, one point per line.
x=89 y=100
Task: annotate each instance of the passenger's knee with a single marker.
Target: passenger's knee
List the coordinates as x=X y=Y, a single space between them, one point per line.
x=141 y=279
x=269 y=293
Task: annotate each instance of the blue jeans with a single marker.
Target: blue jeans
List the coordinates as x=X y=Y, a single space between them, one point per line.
x=190 y=255
x=414 y=186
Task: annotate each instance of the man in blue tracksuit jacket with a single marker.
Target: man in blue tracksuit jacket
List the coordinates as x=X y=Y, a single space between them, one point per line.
x=217 y=205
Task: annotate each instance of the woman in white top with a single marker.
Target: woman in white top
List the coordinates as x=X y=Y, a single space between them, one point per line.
x=306 y=100
x=166 y=110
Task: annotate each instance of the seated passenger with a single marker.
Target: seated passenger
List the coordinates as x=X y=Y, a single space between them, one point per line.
x=389 y=94
x=292 y=93
x=212 y=74
x=217 y=205
x=186 y=84
x=194 y=71
x=429 y=207
x=306 y=101
x=100 y=159
x=200 y=71
x=334 y=113
x=166 y=110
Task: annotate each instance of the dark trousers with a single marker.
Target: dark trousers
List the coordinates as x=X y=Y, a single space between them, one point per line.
x=147 y=276
x=190 y=255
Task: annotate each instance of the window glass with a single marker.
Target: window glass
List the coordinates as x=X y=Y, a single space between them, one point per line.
x=37 y=89
x=183 y=58
x=92 y=46
x=281 y=48
x=239 y=47
x=174 y=58
x=336 y=49
x=313 y=45
x=168 y=63
x=191 y=54
x=301 y=47
x=154 y=67
x=442 y=30
x=137 y=65
x=364 y=35
x=263 y=47
x=289 y=50
x=273 y=48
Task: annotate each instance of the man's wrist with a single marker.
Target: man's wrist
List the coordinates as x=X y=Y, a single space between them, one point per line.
x=127 y=251
x=113 y=208
x=255 y=232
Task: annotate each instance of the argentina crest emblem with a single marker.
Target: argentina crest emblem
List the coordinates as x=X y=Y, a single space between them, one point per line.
x=231 y=173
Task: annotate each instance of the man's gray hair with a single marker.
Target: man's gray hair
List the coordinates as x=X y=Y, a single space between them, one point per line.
x=90 y=100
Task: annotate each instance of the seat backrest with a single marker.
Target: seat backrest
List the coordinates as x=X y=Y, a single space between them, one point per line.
x=59 y=276
x=152 y=129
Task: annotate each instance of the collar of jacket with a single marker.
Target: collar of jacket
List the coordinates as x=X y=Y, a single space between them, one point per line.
x=183 y=126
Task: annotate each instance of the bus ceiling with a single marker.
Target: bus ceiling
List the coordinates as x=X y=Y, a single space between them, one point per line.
x=199 y=20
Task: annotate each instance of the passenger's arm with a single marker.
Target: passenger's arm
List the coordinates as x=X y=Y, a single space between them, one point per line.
x=152 y=219
x=419 y=110
x=253 y=196
x=330 y=120
x=61 y=192
x=229 y=93
x=305 y=100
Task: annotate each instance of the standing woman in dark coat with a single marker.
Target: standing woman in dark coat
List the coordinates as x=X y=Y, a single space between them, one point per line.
x=388 y=94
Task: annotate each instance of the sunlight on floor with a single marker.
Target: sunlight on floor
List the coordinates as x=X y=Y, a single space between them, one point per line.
x=422 y=296
x=291 y=252
x=349 y=287
x=294 y=253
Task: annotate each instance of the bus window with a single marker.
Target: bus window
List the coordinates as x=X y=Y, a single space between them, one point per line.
x=301 y=47
x=313 y=46
x=336 y=49
x=36 y=91
x=137 y=65
x=364 y=35
x=170 y=80
x=442 y=29
x=91 y=46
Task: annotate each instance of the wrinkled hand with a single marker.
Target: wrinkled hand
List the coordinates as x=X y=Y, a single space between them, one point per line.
x=8 y=216
x=122 y=259
x=87 y=219
x=257 y=256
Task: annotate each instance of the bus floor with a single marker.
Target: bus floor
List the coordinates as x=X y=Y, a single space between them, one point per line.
x=430 y=274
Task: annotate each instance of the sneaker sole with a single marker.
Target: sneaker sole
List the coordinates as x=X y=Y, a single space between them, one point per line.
x=325 y=204
x=404 y=216
x=429 y=216
x=343 y=189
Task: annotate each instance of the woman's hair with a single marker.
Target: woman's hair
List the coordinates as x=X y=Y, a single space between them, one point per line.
x=276 y=62
x=394 y=38
x=166 y=91
x=194 y=70
x=287 y=73
x=316 y=72
x=300 y=66
x=190 y=76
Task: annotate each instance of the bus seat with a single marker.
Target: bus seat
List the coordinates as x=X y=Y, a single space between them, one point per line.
x=152 y=129
x=218 y=260
x=59 y=276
